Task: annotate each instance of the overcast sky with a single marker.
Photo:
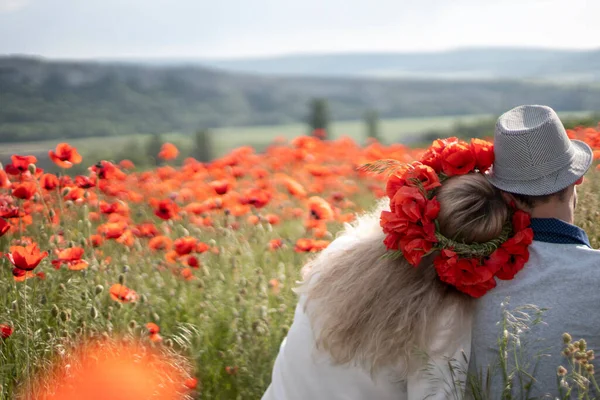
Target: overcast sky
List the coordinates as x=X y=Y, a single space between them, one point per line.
x=239 y=28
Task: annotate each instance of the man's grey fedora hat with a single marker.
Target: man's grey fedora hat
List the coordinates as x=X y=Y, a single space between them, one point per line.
x=533 y=154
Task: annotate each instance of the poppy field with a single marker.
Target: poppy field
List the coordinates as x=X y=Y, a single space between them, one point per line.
x=194 y=263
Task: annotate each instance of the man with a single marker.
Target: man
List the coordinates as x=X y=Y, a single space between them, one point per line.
x=538 y=167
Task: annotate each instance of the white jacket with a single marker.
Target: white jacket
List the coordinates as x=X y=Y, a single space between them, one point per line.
x=301 y=372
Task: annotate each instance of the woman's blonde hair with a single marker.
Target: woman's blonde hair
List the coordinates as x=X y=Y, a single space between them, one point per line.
x=375 y=312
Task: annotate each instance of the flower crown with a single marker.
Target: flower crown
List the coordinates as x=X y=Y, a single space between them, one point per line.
x=412 y=231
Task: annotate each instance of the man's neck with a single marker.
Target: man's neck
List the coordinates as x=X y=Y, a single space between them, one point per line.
x=553 y=210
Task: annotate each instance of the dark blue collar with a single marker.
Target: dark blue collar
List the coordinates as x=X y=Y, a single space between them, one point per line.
x=554 y=230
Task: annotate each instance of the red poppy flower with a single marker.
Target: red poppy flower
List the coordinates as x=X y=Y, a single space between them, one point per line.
x=5 y=331
x=220 y=187
x=160 y=243
x=166 y=209
x=20 y=275
x=414 y=248
x=4 y=227
x=414 y=175
x=20 y=164
x=310 y=245
x=191 y=383
x=185 y=245
x=72 y=257
x=65 y=156
x=464 y=273
x=126 y=164
x=275 y=244
x=320 y=209
x=256 y=197
x=168 y=151
x=457 y=159
x=193 y=262
x=202 y=247
x=26 y=257
x=4 y=181
x=433 y=155
x=122 y=294
x=24 y=190
x=49 y=181
x=84 y=182
x=483 y=151
x=521 y=220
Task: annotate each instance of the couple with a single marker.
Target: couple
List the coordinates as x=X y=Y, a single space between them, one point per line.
x=369 y=326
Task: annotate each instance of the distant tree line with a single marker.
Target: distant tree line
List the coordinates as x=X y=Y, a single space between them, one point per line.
x=45 y=100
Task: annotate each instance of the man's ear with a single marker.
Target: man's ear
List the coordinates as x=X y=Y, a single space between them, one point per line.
x=509 y=198
x=579 y=181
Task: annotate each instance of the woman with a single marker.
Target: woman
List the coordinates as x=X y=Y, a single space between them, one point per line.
x=373 y=327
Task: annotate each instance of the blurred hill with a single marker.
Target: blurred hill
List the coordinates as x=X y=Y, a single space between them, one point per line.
x=475 y=63
x=43 y=99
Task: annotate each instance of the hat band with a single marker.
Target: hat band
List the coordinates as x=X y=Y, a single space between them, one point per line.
x=531 y=172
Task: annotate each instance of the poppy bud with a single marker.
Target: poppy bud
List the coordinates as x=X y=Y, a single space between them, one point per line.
x=32 y=168
x=122 y=279
x=126 y=269
x=99 y=289
x=155 y=317
x=65 y=316
x=132 y=324
x=169 y=343
x=69 y=203
x=143 y=299
x=15 y=305
x=84 y=296
x=43 y=299
x=65 y=191
x=94 y=312
x=55 y=311
x=62 y=287
x=200 y=284
x=51 y=213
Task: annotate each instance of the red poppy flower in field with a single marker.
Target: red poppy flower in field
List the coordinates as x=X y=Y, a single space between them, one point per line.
x=71 y=257
x=220 y=187
x=256 y=197
x=5 y=331
x=49 y=181
x=4 y=181
x=107 y=170
x=168 y=151
x=310 y=245
x=187 y=274
x=191 y=383
x=126 y=164
x=24 y=190
x=9 y=211
x=275 y=244
x=193 y=262
x=4 y=226
x=320 y=209
x=202 y=247
x=65 y=156
x=293 y=187
x=20 y=164
x=122 y=294
x=160 y=243
x=112 y=230
x=185 y=245
x=96 y=240
x=84 y=182
x=154 y=330
x=20 y=275
x=166 y=209
x=26 y=257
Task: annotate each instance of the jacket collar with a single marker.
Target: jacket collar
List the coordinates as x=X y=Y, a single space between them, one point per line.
x=552 y=230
